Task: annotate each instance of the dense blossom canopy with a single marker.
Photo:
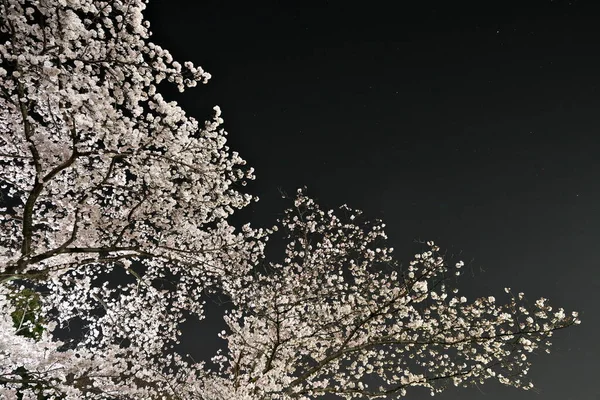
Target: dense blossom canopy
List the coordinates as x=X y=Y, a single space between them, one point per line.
x=99 y=171
x=114 y=217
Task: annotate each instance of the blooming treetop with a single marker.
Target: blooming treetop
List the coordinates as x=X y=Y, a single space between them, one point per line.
x=98 y=170
x=95 y=160
x=114 y=215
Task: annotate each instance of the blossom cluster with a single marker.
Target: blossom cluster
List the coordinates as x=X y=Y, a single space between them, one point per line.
x=339 y=316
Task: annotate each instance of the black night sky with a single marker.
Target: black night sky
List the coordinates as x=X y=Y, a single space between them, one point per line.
x=471 y=123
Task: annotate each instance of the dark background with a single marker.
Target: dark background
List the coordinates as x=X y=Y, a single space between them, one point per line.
x=473 y=124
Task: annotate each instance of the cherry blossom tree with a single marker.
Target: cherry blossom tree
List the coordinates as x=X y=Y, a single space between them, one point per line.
x=114 y=217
